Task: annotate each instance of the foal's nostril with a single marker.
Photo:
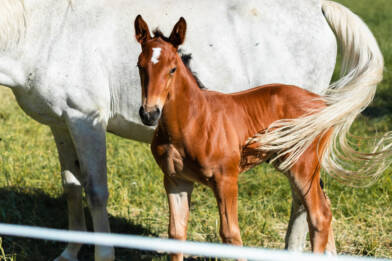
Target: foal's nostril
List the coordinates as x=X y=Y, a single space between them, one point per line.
x=144 y=116
x=150 y=118
x=156 y=113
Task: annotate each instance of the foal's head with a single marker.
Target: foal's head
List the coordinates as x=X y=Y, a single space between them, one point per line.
x=157 y=67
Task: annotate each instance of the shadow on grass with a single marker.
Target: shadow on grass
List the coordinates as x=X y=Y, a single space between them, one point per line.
x=377 y=111
x=381 y=106
x=36 y=208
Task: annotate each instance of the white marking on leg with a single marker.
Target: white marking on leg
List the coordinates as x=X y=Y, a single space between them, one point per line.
x=70 y=179
x=156 y=53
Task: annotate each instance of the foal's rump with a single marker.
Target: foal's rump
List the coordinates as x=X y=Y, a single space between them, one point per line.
x=284 y=103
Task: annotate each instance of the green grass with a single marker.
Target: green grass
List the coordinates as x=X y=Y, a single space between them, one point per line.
x=30 y=188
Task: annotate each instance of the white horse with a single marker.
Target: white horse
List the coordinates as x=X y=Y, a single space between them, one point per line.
x=71 y=65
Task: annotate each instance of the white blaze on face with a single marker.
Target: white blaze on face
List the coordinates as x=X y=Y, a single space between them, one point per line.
x=156 y=53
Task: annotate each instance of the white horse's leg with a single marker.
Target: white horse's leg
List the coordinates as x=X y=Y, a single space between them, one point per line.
x=71 y=180
x=298 y=226
x=88 y=133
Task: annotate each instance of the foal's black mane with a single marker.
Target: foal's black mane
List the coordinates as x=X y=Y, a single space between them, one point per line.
x=185 y=57
x=158 y=33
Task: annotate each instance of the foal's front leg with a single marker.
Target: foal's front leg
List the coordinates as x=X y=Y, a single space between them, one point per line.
x=226 y=193
x=179 y=193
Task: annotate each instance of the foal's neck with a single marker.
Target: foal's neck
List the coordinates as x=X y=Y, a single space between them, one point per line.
x=185 y=101
x=186 y=90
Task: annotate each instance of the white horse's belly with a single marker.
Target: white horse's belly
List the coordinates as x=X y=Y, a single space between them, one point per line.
x=38 y=107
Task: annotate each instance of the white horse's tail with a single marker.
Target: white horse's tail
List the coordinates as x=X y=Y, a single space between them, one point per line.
x=362 y=70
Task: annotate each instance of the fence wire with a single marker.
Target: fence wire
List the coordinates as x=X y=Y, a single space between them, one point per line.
x=168 y=245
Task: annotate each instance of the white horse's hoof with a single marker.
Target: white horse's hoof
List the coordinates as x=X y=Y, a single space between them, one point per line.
x=61 y=258
x=65 y=256
x=104 y=253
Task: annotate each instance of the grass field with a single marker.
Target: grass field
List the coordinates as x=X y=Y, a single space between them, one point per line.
x=30 y=188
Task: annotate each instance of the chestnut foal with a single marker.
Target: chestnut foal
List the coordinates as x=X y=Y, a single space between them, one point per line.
x=202 y=137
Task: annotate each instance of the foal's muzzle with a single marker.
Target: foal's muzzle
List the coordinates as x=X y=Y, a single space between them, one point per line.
x=150 y=117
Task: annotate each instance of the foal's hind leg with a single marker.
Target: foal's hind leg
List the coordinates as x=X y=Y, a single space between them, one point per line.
x=88 y=134
x=305 y=176
x=179 y=193
x=331 y=247
x=71 y=181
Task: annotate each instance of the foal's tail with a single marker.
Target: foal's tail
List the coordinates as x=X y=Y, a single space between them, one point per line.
x=362 y=70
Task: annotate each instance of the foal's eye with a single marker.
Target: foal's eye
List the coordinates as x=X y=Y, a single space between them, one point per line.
x=172 y=71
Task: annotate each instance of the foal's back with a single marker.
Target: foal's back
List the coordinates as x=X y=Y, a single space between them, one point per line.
x=278 y=101
x=253 y=110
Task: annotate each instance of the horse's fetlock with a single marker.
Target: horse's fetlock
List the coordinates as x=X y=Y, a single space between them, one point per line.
x=67 y=256
x=104 y=253
x=232 y=241
x=231 y=237
x=322 y=221
x=175 y=234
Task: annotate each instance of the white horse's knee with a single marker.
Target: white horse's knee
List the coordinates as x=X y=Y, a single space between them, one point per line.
x=97 y=196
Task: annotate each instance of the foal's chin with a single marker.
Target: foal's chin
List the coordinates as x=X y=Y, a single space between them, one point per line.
x=150 y=123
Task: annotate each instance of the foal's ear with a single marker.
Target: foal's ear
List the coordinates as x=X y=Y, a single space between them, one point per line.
x=142 y=33
x=177 y=36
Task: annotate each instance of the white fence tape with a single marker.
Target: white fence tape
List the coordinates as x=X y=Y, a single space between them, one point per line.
x=167 y=245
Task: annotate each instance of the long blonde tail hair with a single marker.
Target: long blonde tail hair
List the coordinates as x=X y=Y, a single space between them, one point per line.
x=362 y=70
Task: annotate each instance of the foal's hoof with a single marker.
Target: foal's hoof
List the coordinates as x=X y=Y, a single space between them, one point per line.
x=329 y=252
